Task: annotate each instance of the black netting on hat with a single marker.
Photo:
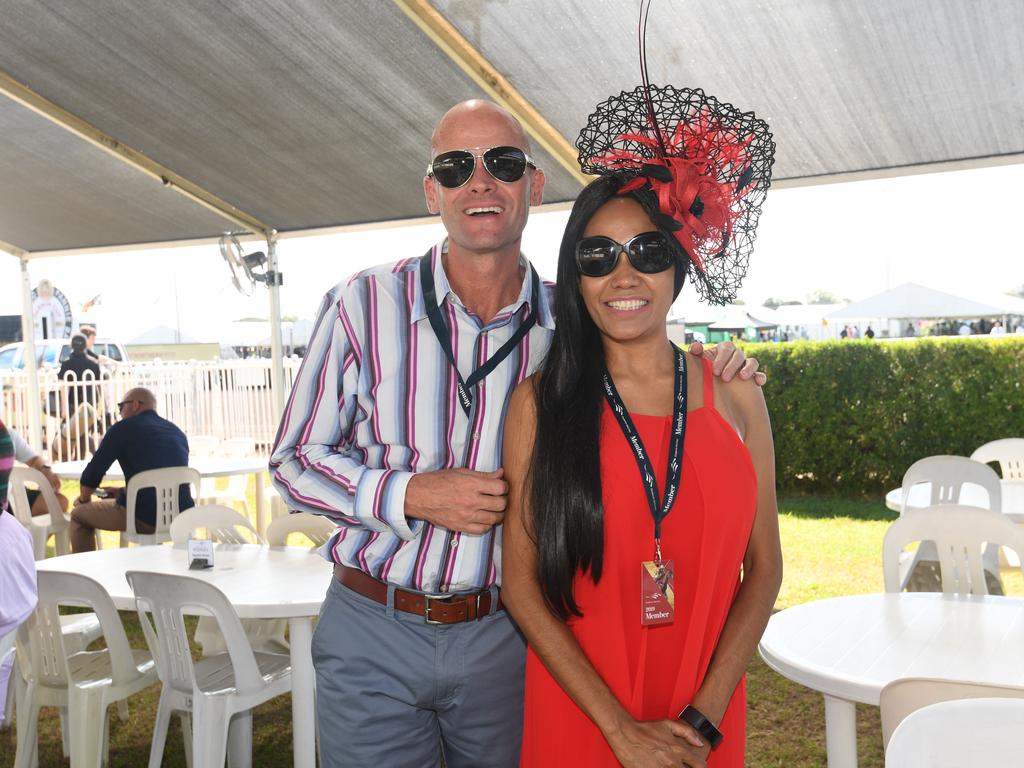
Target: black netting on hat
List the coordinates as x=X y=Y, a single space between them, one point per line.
x=708 y=164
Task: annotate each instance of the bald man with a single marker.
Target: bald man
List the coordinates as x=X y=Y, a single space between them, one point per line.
x=393 y=431
x=141 y=440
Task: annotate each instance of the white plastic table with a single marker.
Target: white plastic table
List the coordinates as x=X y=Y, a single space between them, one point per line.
x=207 y=466
x=919 y=495
x=261 y=583
x=849 y=648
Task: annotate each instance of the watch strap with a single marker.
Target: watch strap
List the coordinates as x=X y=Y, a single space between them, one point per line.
x=701 y=724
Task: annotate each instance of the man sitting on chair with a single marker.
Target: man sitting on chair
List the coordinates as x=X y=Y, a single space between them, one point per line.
x=141 y=440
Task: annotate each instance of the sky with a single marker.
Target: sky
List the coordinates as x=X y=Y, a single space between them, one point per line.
x=952 y=231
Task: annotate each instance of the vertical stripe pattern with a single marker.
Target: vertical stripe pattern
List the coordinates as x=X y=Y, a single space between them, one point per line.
x=375 y=401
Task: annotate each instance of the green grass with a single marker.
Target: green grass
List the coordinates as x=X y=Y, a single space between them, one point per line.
x=130 y=740
x=829 y=556
x=831 y=547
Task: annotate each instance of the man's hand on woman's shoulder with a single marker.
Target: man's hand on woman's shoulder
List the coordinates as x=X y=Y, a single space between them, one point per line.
x=728 y=360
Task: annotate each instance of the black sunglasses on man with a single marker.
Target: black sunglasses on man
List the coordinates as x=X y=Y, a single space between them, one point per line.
x=453 y=169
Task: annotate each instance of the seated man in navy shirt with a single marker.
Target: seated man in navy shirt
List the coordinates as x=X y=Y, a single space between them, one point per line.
x=141 y=440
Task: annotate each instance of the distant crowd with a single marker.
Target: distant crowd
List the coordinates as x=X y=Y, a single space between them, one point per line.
x=983 y=326
x=994 y=327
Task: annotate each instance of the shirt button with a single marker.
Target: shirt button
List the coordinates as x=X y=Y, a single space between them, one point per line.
x=455 y=543
x=476 y=437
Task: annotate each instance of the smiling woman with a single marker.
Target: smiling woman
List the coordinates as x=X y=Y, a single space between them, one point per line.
x=627 y=300
x=598 y=557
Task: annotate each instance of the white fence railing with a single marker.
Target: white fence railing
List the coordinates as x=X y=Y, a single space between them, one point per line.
x=229 y=398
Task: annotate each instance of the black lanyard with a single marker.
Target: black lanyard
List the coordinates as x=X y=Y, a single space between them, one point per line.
x=444 y=335
x=659 y=511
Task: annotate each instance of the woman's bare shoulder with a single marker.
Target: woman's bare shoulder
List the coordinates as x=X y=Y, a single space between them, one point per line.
x=524 y=396
x=521 y=418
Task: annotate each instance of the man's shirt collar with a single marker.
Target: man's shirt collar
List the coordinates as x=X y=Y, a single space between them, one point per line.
x=443 y=290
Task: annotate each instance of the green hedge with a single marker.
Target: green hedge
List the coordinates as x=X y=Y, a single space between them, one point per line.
x=851 y=416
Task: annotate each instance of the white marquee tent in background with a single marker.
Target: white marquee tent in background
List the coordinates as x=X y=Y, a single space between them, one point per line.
x=911 y=301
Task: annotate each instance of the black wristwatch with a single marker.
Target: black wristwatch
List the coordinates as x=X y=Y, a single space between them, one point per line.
x=701 y=724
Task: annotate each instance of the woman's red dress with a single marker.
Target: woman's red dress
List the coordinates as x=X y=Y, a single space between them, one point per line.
x=654 y=671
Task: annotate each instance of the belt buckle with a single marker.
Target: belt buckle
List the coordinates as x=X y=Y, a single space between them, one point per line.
x=426 y=611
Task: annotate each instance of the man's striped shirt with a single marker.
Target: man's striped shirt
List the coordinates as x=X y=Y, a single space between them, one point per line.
x=375 y=401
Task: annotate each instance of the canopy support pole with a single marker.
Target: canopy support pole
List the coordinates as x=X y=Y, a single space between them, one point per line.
x=457 y=48
x=276 y=356
x=28 y=336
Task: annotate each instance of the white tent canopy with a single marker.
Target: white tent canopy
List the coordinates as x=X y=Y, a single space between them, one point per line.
x=739 y=321
x=913 y=301
x=281 y=117
x=808 y=320
x=805 y=314
x=733 y=317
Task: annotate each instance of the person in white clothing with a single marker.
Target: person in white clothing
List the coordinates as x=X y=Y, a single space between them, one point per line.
x=18 y=593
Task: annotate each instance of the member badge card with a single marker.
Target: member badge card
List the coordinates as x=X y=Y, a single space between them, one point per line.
x=657 y=593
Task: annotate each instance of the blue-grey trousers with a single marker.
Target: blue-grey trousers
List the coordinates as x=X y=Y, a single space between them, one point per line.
x=393 y=690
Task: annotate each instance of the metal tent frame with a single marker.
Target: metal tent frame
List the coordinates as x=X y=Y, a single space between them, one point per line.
x=125 y=123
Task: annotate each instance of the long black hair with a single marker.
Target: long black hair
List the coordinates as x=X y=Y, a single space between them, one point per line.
x=565 y=472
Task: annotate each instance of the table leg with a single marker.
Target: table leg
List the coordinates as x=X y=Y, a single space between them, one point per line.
x=300 y=637
x=840 y=733
x=261 y=506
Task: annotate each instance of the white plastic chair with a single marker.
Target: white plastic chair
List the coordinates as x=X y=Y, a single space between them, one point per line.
x=7 y=643
x=7 y=650
x=84 y=682
x=42 y=527
x=958 y=533
x=165 y=483
x=902 y=697
x=79 y=630
x=202 y=445
x=225 y=526
x=1008 y=453
x=946 y=477
x=317 y=528
x=220 y=523
x=277 y=507
x=219 y=691
x=236 y=490
x=961 y=732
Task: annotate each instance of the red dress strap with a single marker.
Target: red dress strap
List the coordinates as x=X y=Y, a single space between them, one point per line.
x=709 y=384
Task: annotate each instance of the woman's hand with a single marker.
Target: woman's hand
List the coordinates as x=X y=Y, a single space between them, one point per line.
x=658 y=744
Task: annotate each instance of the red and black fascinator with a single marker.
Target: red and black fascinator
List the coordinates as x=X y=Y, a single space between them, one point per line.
x=708 y=165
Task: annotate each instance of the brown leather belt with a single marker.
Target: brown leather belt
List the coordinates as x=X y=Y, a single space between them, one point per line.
x=434 y=610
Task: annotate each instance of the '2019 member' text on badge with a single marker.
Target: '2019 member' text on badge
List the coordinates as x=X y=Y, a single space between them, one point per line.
x=657 y=593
